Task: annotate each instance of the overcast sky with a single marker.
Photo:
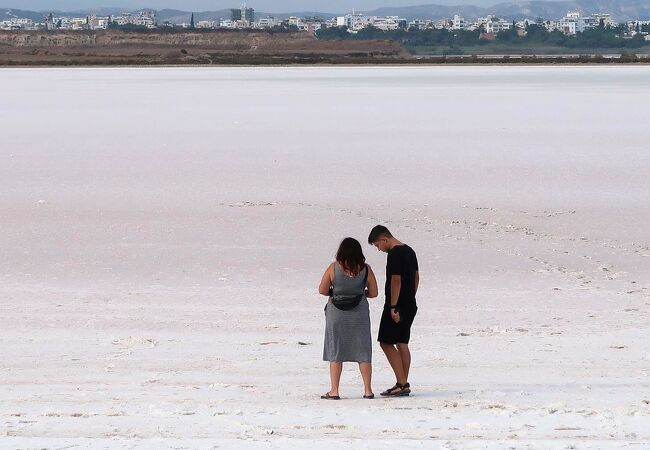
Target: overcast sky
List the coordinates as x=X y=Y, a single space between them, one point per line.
x=211 y=5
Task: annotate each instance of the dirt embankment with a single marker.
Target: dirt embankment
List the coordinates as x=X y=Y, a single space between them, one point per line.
x=187 y=47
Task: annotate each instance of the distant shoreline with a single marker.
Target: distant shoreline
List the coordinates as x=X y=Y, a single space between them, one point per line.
x=255 y=48
x=425 y=62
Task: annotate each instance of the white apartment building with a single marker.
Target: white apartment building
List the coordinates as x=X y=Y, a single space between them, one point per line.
x=420 y=24
x=74 y=23
x=309 y=24
x=8 y=25
x=458 y=23
x=441 y=24
x=97 y=23
x=119 y=20
x=25 y=23
x=353 y=21
x=388 y=23
x=605 y=18
x=497 y=25
x=268 y=22
x=295 y=21
x=524 y=23
x=144 y=22
x=207 y=24
x=632 y=24
x=235 y=24
x=17 y=24
x=569 y=23
x=143 y=19
x=574 y=22
x=359 y=22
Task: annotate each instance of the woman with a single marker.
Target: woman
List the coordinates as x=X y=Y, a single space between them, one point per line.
x=347 y=316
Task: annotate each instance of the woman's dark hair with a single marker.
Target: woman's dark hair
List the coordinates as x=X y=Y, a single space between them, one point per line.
x=377 y=233
x=350 y=256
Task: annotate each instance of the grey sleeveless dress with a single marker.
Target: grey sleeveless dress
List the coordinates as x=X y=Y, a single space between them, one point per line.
x=347 y=333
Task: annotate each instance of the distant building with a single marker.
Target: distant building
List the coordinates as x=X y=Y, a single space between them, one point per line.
x=268 y=22
x=389 y=23
x=49 y=23
x=357 y=22
x=352 y=21
x=574 y=22
x=458 y=23
x=313 y=27
x=497 y=25
x=569 y=23
x=207 y=24
x=294 y=21
x=441 y=24
x=632 y=25
x=606 y=20
x=419 y=24
x=146 y=18
x=242 y=14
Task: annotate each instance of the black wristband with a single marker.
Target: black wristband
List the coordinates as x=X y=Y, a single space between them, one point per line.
x=393 y=306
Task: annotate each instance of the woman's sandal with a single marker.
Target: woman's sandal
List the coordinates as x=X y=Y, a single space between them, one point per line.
x=369 y=397
x=327 y=396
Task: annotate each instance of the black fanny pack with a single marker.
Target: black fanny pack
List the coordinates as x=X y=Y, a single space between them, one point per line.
x=348 y=302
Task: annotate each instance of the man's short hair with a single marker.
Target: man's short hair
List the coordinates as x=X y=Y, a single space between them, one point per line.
x=377 y=233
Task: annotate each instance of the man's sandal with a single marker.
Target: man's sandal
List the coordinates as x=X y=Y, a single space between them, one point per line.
x=399 y=390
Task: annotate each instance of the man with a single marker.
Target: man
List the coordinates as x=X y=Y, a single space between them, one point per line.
x=402 y=280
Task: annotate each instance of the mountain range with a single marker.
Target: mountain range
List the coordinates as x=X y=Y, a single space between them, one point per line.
x=621 y=10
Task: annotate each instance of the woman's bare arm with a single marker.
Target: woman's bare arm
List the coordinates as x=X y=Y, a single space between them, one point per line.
x=326 y=281
x=373 y=291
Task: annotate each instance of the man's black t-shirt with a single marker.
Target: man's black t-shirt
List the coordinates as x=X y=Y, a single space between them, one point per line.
x=402 y=261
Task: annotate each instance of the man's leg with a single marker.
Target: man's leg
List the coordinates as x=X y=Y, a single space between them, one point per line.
x=335 y=376
x=405 y=357
x=395 y=361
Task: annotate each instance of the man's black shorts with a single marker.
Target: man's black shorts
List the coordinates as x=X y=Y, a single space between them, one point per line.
x=391 y=332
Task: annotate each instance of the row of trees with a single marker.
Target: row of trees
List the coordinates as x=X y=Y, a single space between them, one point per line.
x=599 y=37
x=112 y=25
x=412 y=37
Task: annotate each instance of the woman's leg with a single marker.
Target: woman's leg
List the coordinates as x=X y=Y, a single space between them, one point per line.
x=335 y=376
x=366 y=373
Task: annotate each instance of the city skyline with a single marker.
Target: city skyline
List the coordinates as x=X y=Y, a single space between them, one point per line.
x=276 y=6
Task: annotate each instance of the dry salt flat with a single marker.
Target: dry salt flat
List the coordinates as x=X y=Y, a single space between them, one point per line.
x=163 y=231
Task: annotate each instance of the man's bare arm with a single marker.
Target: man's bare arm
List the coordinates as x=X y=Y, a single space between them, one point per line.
x=395 y=288
x=417 y=281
